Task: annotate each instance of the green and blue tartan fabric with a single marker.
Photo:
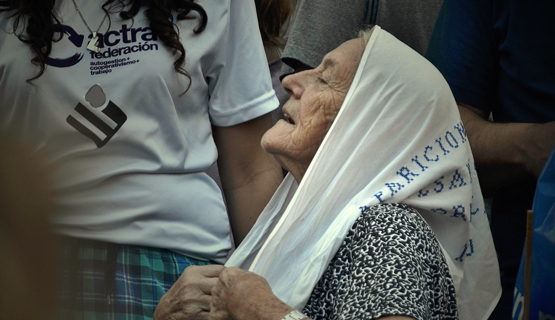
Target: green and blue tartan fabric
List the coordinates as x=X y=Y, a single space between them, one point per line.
x=93 y=286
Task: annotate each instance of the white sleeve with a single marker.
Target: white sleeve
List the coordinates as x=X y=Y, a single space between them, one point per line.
x=243 y=88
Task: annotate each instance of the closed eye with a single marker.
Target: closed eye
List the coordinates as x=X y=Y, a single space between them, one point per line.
x=322 y=80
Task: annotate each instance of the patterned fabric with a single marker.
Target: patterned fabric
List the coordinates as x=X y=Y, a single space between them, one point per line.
x=389 y=264
x=94 y=286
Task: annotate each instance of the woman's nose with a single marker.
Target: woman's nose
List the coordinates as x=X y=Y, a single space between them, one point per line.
x=293 y=84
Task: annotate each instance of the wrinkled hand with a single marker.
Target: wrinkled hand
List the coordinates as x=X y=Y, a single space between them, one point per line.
x=245 y=295
x=190 y=296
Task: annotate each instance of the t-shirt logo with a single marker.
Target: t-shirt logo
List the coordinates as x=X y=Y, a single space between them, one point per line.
x=116 y=46
x=76 y=39
x=93 y=126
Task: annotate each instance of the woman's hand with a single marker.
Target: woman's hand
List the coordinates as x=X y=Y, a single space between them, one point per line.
x=245 y=295
x=190 y=296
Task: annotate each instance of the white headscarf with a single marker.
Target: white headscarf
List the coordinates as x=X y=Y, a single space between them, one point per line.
x=397 y=138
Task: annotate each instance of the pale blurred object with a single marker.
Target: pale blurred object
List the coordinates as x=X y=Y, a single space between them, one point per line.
x=27 y=246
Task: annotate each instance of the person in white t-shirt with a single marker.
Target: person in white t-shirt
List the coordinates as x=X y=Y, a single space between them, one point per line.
x=133 y=101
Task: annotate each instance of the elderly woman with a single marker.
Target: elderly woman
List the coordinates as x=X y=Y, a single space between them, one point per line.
x=381 y=215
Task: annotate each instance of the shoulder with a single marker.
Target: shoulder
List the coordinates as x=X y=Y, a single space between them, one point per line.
x=391 y=216
x=397 y=228
x=389 y=263
x=387 y=208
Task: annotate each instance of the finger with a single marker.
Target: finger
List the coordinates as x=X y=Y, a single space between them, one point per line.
x=214 y=312
x=203 y=315
x=204 y=303
x=231 y=273
x=200 y=303
x=212 y=270
x=206 y=285
x=216 y=316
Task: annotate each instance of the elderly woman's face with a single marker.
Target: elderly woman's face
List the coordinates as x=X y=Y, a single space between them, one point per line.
x=316 y=96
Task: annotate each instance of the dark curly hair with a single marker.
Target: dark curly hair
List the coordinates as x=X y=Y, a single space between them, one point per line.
x=39 y=20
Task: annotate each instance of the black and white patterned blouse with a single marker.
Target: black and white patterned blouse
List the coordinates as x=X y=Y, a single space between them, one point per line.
x=389 y=264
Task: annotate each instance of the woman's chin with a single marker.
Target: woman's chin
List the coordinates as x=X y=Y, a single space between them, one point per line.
x=277 y=138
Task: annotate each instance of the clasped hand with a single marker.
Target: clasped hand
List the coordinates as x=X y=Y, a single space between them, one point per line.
x=216 y=293
x=190 y=296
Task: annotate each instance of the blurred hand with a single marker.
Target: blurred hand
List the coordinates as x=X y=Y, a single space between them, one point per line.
x=190 y=296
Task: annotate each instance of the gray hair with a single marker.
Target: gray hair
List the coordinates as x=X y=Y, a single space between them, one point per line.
x=366 y=33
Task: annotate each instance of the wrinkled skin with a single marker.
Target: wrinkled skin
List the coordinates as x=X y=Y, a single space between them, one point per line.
x=245 y=295
x=316 y=97
x=190 y=296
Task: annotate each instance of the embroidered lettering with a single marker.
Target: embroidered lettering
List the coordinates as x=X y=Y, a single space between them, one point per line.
x=438 y=184
x=457 y=179
x=394 y=187
x=462 y=132
x=379 y=196
x=422 y=194
x=454 y=143
x=459 y=211
x=415 y=159
x=405 y=173
x=426 y=154
x=445 y=152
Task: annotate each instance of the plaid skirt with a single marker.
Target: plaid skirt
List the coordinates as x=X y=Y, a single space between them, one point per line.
x=105 y=281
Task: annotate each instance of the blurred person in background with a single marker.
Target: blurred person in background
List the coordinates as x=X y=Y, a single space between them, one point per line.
x=320 y=26
x=497 y=58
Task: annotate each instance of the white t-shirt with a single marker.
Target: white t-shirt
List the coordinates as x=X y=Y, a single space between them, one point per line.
x=130 y=155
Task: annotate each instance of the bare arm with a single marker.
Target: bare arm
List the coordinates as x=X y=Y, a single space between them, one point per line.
x=249 y=175
x=506 y=153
